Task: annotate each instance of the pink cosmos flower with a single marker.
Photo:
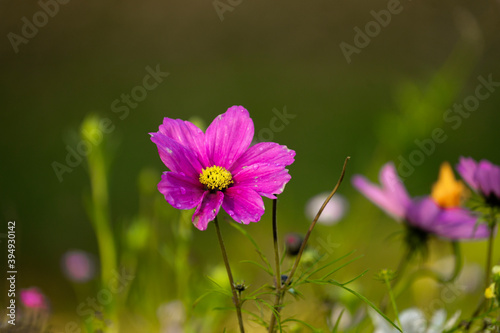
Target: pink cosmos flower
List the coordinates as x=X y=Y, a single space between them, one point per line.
x=483 y=177
x=33 y=298
x=78 y=266
x=219 y=168
x=423 y=213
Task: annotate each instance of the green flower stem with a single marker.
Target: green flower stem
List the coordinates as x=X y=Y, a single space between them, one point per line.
x=280 y=292
x=457 y=254
x=313 y=224
x=276 y=247
x=100 y=216
x=236 y=299
x=393 y=300
x=489 y=253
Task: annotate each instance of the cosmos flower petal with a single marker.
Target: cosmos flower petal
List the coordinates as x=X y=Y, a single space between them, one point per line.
x=244 y=205
x=393 y=185
x=495 y=180
x=460 y=224
x=392 y=196
x=467 y=169
x=488 y=178
x=422 y=213
x=186 y=134
x=180 y=191
x=208 y=209
x=228 y=136
x=176 y=157
x=264 y=178
x=265 y=152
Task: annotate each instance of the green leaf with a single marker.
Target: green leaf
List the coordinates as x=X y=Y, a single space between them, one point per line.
x=257 y=264
x=340 y=267
x=326 y=265
x=314 y=329
x=199 y=299
x=367 y=301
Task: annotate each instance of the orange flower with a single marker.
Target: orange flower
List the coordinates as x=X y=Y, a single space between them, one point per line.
x=448 y=192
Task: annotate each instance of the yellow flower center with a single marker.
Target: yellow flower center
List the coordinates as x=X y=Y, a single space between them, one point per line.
x=216 y=178
x=448 y=192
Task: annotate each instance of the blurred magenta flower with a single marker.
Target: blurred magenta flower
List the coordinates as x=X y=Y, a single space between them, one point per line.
x=391 y=196
x=33 y=298
x=483 y=177
x=422 y=214
x=78 y=266
x=219 y=168
x=334 y=211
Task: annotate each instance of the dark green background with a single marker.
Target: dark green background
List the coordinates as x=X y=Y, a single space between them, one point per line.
x=263 y=55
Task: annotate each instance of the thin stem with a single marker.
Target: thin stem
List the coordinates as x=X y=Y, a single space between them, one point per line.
x=276 y=247
x=393 y=301
x=403 y=263
x=280 y=292
x=274 y=316
x=484 y=301
x=425 y=272
x=490 y=248
x=236 y=299
x=313 y=224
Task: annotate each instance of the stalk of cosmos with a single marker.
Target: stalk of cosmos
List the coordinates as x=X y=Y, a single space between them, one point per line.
x=236 y=299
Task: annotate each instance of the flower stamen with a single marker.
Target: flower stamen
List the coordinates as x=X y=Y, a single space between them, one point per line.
x=216 y=178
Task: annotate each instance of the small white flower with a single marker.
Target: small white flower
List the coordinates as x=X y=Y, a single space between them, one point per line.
x=334 y=211
x=171 y=316
x=413 y=321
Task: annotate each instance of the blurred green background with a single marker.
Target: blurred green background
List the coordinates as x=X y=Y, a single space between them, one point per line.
x=262 y=55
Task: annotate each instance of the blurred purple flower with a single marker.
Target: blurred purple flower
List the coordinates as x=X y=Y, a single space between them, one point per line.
x=421 y=214
x=78 y=266
x=33 y=298
x=333 y=212
x=219 y=168
x=483 y=177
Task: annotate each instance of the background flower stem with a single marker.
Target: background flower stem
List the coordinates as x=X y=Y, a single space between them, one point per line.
x=393 y=300
x=98 y=209
x=490 y=248
x=313 y=224
x=236 y=299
